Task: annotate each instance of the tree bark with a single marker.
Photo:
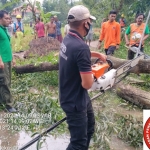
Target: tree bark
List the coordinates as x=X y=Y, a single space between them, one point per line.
x=142 y=67
x=32 y=68
x=134 y=95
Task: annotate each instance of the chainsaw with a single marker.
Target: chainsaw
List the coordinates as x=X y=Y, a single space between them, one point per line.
x=105 y=76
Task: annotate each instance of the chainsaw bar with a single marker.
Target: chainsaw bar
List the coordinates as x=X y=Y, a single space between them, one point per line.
x=129 y=65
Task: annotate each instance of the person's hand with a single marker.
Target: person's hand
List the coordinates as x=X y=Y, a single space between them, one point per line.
x=15 y=35
x=117 y=46
x=1 y=65
x=13 y=62
x=99 y=45
x=127 y=44
x=101 y=56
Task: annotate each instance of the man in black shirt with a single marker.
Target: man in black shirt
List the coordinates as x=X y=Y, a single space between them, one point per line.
x=75 y=78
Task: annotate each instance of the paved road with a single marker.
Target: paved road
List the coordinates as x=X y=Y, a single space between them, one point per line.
x=94 y=44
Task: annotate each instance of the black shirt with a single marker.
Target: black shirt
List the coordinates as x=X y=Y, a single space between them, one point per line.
x=75 y=58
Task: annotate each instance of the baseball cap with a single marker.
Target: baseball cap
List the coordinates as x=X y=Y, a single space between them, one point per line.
x=78 y=13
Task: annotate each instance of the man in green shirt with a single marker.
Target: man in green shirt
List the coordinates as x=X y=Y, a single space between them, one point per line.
x=5 y=63
x=135 y=30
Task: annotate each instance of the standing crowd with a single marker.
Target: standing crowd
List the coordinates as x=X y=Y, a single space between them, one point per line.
x=50 y=29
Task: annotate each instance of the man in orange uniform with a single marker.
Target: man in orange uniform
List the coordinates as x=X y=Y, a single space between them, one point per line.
x=110 y=33
x=136 y=30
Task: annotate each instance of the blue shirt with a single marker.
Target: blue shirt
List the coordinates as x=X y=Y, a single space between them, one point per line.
x=18 y=26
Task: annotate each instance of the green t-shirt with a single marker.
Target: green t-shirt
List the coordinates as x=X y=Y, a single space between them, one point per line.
x=5 y=45
x=129 y=30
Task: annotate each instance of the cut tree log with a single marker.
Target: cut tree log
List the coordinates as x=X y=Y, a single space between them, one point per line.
x=134 y=95
x=33 y=68
x=142 y=67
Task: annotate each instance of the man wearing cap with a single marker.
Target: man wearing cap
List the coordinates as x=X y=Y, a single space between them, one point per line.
x=19 y=33
x=110 y=33
x=75 y=78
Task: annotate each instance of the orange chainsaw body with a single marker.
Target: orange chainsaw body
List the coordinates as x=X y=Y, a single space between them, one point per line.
x=99 y=69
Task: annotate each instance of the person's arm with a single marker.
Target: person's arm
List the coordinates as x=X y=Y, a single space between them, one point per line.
x=83 y=59
x=99 y=55
x=146 y=33
x=1 y=63
x=87 y=80
x=36 y=30
x=13 y=62
x=118 y=36
x=101 y=37
x=126 y=35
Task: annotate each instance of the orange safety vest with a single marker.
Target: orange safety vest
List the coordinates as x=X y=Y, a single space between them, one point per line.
x=122 y=23
x=134 y=29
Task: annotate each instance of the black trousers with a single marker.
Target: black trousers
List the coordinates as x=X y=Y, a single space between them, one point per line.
x=110 y=50
x=81 y=127
x=131 y=53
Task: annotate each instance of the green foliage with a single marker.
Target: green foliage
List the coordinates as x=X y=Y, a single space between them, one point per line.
x=95 y=36
x=61 y=6
x=8 y=5
x=45 y=16
x=100 y=8
x=131 y=130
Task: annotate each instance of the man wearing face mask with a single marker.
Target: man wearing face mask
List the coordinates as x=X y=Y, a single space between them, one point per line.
x=110 y=33
x=75 y=78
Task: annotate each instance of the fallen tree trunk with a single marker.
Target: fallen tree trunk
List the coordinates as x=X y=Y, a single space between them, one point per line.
x=134 y=95
x=142 y=67
x=33 y=68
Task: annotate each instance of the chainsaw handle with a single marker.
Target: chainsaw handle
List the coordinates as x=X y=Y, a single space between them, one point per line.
x=101 y=56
